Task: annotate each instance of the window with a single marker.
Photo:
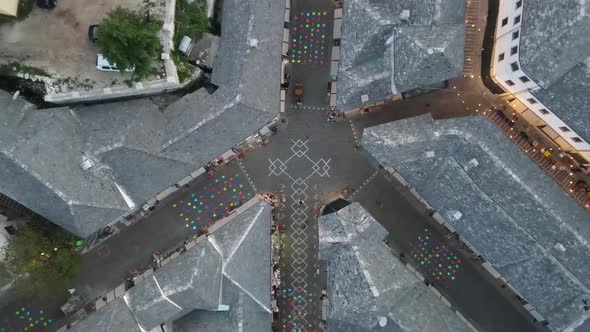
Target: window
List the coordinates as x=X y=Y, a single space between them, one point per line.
x=514 y=50
x=564 y=129
x=517 y=20
x=505 y=21
x=514 y=66
x=515 y=34
x=510 y=83
x=544 y=111
x=532 y=100
x=524 y=79
x=500 y=57
x=577 y=139
x=518 y=4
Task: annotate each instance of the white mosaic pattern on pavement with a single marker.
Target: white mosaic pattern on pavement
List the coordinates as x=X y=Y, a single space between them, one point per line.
x=298 y=294
x=317 y=108
x=299 y=188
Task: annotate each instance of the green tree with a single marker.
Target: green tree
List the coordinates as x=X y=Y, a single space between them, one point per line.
x=190 y=19
x=41 y=259
x=127 y=40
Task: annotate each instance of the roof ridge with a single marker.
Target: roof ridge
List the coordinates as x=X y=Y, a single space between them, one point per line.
x=225 y=262
x=434 y=45
x=35 y=175
x=237 y=284
x=95 y=206
x=201 y=123
x=159 y=155
x=244 y=236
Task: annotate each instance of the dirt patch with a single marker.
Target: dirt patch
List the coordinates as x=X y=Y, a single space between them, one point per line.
x=57 y=41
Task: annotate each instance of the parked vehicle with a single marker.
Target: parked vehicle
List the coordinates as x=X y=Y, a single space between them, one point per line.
x=92 y=33
x=103 y=64
x=299 y=93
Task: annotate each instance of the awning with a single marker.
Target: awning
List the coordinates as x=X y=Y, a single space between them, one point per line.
x=335 y=53
x=228 y=154
x=337 y=28
x=334 y=68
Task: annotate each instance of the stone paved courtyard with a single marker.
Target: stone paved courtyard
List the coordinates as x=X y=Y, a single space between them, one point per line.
x=219 y=195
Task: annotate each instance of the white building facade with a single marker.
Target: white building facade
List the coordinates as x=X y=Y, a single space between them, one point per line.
x=520 y=86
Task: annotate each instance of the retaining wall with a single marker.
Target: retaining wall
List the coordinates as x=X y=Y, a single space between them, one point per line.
x=168 y=84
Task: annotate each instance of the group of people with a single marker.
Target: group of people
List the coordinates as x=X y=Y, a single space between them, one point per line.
x=334 y=115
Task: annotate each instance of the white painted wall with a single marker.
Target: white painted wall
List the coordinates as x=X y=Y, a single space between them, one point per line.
x=502 y=72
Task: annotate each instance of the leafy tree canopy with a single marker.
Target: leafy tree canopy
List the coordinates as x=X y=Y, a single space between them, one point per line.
x=190 y=19
x=41 y=259
x=127 y=40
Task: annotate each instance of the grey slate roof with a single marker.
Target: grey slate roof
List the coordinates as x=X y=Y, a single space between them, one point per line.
x=189 y=282
x=569 y=98
x=115 y=317
x=427 y=54
x=40 y=154
x=380 y=52
x=231 y=267
x=554 y=38
x=510 y=210
x=251 y=316
x=203 y=321
x=554 y=52
x=251 y=71
x=366 y=282
x=136 y=145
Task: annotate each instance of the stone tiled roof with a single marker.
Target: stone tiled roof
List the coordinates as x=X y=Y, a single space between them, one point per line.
x=569 y=99
x=427 y=54
x=555 y=52
x=40 y=156
x=554 y=38
x=230 y=268
x=137 y=149
x=366 y=282
x=382 y=52
x=521 y=221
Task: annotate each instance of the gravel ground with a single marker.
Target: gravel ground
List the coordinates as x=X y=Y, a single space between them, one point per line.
x=57 y=41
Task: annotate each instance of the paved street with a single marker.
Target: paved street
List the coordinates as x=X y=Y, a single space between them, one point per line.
x=311 y=162
x=473 y=292
x=44 y=314
x=464 y=282
x=177 y=218
x=300 y=165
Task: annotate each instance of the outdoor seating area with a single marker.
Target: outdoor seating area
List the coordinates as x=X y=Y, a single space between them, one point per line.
x=561 y=166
